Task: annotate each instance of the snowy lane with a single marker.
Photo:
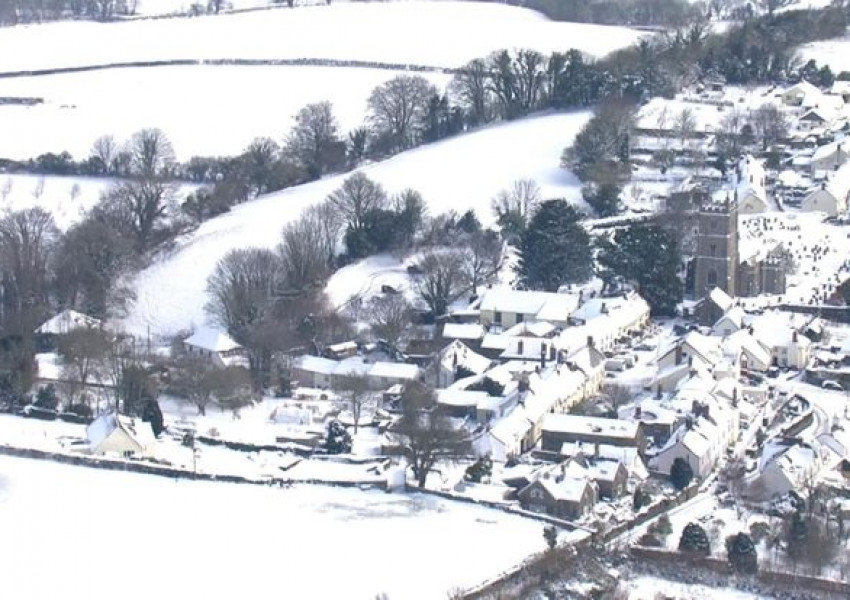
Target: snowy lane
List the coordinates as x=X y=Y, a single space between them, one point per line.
x=73 y=532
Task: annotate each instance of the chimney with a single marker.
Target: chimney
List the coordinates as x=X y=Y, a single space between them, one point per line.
x=590 y=341
x=519 y=347
x=658 y=392
x=580 y=297
x=603 y=309
x=794 y=337
x=689 y=422
x=542 y=355
x=638 y=412
x=596 y=450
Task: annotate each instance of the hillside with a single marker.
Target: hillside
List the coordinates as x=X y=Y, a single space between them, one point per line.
x=444 y=34
x=457 y=174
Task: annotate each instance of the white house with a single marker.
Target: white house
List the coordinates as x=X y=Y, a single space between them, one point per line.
x=831 y=196
x=318 y=372
x=458 y=355
x=216 y=346
x=66 y=321
x=112 y=433
x=787 y=465
x=730 y=322
x=829 y=156
x=802 y=94
x=749 y=181
x=692 y=443
x=506 y=307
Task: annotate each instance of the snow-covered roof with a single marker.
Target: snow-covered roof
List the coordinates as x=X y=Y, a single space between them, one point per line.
x=827 y=150
x=212 y=340
x=721 y=299
x=838 y=183
x=530 y=329
x=394 y=370
x=457 y=354
x=452 y=397
x=463 y=331
x=811 y=95
x=706 y=346
x=544 y=306
x=496 y=341
x=742 y=342
x=316 y=364
x=614 y=428
x=734 y=315
x=66 y=321
x=102 y=427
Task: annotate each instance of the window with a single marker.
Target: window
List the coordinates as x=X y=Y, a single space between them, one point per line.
x=711 y=278
x=537 y=494
x=519 y=347
x=519 y=317
x=712 y=250
x=497 y=317
x=713 y=225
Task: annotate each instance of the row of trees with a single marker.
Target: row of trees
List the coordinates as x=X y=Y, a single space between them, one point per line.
x=13 y=12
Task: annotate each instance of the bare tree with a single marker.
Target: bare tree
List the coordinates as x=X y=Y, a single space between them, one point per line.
x=482 y=257
x=397 y=106
x=28 y=239
x=192 y=378
x=389 y=317
x=356 y=393
x=150 y=154
x=358 y=196
x=522 y=198
x=314 y=143
x=424 y=434
x=105 y=151
x=241 y=294
x=304 y=255
x=729 y=133
x=328 y=223
x=260 y=159
x=38 y=189
x=82 y=351
x=231 y=388
x=145 y=209
x=442 y=279
x=6 y=189
x=471 y=87
x=685 y=125
x=770 y=125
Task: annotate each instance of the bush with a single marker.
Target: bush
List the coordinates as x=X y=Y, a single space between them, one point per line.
x=46 y=397
x=694 y=540
x=662 y=526
x=640 y=499
x=477 y=471
x=81 y=410
x=681 y=474
x=742 y=553
x=650 y=540
x=337 y=438
x=759 y=531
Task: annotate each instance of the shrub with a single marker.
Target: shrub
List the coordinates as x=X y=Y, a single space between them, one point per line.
x=694 y=540
x=681 y=474
x=742 y=553
x=480 y=469
x=650 y=540
x=662 y=526
x=46 y=397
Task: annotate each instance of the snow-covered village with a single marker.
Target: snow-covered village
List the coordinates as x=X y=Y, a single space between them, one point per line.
x=527 y=299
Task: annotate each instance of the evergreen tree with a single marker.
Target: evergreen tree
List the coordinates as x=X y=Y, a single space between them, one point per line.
x=603 y=198
x=796 y=535
x=337 y=438
x=694 y=540
x=555 y=248
x=681 y=473
x=648 y=257
x=742 y=553
x=152 y=413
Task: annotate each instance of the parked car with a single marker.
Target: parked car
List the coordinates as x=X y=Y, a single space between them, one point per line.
x=831 y=384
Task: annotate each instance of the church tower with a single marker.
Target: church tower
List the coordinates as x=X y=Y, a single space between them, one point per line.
x=716 y=263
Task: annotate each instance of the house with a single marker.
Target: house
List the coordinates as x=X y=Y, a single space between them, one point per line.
x=65 y=322
x=558 y=430
x=692 y=349
x=324 y=373
x=829 y=156
x=802 y=94
x=831 y=196
x=748 y=186
x=341 y=350
x=112 y=433
x=564 y=491
x=787 y=465
x=746 y=350
x=841 y=88
x=729 y=323
x=456 y=358
x=778 y=333
x=504 y=307
x=466 y=332
x=216 y=346
x=630 y=458
x=695 y=443
x=610 y=476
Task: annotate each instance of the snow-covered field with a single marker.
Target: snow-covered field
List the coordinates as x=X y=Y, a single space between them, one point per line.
x=73 y=532
x=647 y=588
x=445 y=34
x=205 y=111
x=457 y=174
x=835 y=53
x=66 y=198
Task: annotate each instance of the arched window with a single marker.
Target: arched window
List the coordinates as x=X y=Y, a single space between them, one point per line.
x=711 y=278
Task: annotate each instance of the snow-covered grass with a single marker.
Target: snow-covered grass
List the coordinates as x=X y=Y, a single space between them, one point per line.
x=66 y=198
x=834 y=53
x=91 y=530
x=446 y=34
x=647 y=587
x=204 y=110
x=458 y=174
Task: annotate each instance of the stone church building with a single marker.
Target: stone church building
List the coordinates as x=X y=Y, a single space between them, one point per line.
x=717 y=260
